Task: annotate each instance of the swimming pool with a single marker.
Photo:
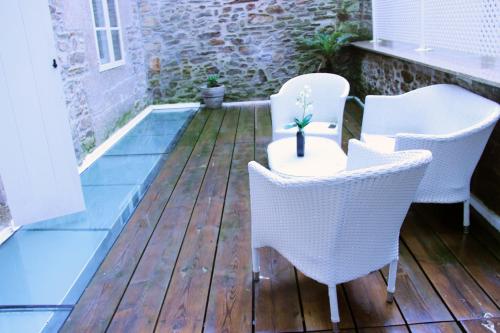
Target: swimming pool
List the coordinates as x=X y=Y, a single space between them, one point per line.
x=46 y=266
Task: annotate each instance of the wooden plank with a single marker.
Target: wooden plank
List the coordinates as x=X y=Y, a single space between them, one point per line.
x=356 y=112
x=346 y=136
x=141 y=302
x=95 y=308
x=351 y=330
x=184 y=306
x=367 y=298
x=277 y=306
x=230 y=301
x=350 y=128
x=263 y=133
x=459 y=291
x=485 y=233
x=352 y=124
x=263 y=125
x=485 y=325
x=466 y=248
x=316 y=305
x=443 y=327
x=246 y=125
x=414 y=294
x=388 y=329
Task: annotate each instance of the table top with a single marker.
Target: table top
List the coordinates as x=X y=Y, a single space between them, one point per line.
x=323 y=157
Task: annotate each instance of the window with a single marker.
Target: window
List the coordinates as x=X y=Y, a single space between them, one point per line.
x=107 y=33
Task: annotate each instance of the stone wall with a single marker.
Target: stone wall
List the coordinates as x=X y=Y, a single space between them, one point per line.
x=389 y=76
x=4 y=209
x=250 y=43
x=97 y=100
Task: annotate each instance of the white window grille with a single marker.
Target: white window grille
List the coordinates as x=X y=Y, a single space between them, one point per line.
x=109 y=44
x=471 y=26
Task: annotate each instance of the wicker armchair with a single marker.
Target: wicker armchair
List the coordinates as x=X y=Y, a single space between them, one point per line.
x=339 y=228
x=329 y=93
x=451 y=122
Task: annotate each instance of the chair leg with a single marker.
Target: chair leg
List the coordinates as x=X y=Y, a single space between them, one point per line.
x=391 y=283
x=255 y=264
x=466 y=216
x=334 y=308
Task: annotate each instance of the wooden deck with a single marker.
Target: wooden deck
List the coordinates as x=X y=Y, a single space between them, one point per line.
x=183 y=262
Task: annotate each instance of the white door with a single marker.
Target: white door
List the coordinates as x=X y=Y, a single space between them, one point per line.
x=37 y=160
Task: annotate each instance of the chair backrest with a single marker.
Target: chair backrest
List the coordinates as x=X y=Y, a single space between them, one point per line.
x=328 y=94
x=445 y=108
x=455 y=158
x=455 y=124
x=378 y=193
x=338 y=228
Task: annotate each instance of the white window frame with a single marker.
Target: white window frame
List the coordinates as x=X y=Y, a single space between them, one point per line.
x=108 y=29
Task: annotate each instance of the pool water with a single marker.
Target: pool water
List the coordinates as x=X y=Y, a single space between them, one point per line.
x=45 y=266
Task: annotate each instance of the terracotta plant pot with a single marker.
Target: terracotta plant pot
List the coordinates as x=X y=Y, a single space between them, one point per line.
x=213 y=97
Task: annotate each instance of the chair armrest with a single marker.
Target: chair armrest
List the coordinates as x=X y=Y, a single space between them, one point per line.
x=386 y=115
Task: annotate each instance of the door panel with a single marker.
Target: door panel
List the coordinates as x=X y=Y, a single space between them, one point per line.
x=37 y=160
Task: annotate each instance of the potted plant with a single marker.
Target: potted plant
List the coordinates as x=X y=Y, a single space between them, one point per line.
x=213 y=93
x=306 y=105
x=326 y=45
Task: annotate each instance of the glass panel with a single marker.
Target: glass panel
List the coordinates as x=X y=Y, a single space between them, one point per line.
x=98 y=13
x=112 y=13
x=102 y=42
x=115 y=34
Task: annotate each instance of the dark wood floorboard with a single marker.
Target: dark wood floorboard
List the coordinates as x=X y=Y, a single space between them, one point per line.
x=417 y=299
x=183 y=261
x=97 y=305
x=461 y=293
x=229 y=307
x=444 y=327
x=448 y=226
x=146 y=289
x=485 y=325
x=182 y=310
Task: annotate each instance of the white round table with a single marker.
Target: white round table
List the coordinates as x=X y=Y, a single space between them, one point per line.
x=323 y=157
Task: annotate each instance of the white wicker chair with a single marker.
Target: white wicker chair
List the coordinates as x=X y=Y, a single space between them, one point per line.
x=451 y=122
x=339 y=228
x=329 y=93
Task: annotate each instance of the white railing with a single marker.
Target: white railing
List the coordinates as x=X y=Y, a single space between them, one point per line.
x=470 y=26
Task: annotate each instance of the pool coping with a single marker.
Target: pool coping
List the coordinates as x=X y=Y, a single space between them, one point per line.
x=115 y=137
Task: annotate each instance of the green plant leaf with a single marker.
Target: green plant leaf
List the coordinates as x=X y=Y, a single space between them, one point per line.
x=213 y=81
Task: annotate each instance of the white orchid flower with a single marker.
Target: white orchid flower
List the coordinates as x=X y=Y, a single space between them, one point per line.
x=304 y=101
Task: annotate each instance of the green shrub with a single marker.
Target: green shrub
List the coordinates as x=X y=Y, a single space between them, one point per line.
x=326 y=45
x=213 y=81
x=88 y=144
